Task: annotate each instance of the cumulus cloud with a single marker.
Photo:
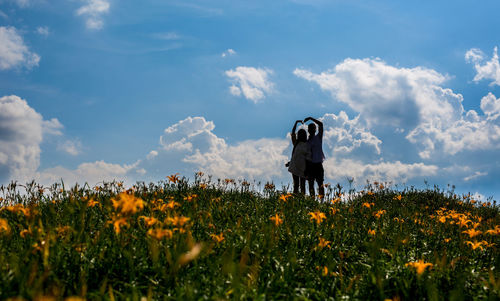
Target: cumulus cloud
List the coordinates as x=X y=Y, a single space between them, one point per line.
x=93 y=10
x=228 y=52
x=378 y=171
x=343 y=135
x=489 y=70
x=191 y=145
x=491 y=106
x=412 y=101
x=21 y=132
x=14 y=52
x=252 y=83
x=194 y=141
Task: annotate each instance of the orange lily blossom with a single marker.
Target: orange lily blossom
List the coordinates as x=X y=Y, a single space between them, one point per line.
x=324 y=243
x=149 y=221
x=419 y=265
x=159 y=233
x=474 y=245
x=472 y=232
x=317 y=216
x=217 y=237
x=276 y=220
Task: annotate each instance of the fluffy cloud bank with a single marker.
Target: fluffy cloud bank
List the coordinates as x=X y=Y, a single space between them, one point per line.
x=252 y=83
x=93 y=11
x=411 y=101
x=14 y=52
x=21 y=132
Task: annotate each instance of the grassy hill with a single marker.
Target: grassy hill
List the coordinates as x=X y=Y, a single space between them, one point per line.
x=225 y=240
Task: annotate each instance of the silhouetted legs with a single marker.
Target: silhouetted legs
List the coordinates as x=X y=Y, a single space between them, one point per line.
x=299 y=181
x=316 y=174
x=321 y=188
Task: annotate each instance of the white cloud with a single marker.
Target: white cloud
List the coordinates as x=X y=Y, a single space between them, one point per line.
x=43 y=31
x=491 y=106
x=93 y=11
x=228 y=52
x=386 y=95
x=476 y=175
x=253 y=83
x=71 y=147
x=92 y=173
x=194 y=142
x=13 y=52
x=411 y=101
x=489 y=70
x=379 y=171
x=21 y=132
x=343 y=135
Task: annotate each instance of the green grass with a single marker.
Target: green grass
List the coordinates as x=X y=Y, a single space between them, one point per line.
x=58 y=244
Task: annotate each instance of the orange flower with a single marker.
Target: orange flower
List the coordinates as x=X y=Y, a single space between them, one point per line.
x=92 y=203
x=419 y=265
x=4 y=226
x=25 y=232
x=398 y=197
x=317 y=216
x=284 y=197
x=159 y=233
x=276 y=220
x=495 y=231
x=127 y=203
x=474 y=245
x=324 y=243
x=118 y=223
x=368 y=205
x=371 y=232
x=149 y=221
x=173 y=178
x=379 y=213
x=472 y=232
x=217 y=238
x=191 y=197
x=178 y=221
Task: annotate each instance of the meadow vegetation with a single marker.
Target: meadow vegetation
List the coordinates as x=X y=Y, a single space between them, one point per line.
x=230 y=239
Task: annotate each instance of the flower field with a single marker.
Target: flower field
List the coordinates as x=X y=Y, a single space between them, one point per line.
x=235 y=240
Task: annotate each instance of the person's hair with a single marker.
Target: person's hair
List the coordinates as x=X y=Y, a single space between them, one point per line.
x=302 y=135
x=311 y=127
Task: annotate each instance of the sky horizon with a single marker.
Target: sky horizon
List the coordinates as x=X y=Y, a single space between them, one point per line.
x=94 y=90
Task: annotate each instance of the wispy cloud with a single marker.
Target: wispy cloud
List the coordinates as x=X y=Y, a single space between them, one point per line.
x=93 y=10
x=166 y=36
x=228 y=52
x=43 y=31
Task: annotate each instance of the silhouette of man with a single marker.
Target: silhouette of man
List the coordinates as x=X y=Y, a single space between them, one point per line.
x=315 y=171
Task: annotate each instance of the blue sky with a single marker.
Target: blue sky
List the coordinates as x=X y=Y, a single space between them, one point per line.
x=93 y=90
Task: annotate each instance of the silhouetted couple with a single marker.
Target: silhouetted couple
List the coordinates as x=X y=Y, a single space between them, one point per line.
x=307 y=157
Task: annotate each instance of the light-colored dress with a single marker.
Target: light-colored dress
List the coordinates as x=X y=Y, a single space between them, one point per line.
x=301 y=153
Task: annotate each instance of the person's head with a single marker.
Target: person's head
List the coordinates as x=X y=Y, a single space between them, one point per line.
x=302 y=135
x=311 y=128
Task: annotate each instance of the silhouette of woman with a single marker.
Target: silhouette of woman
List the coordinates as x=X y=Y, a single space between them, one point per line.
x=301 y=152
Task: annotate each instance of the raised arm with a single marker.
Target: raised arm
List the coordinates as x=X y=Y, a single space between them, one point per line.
x=293 y=135
x=319 y=123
